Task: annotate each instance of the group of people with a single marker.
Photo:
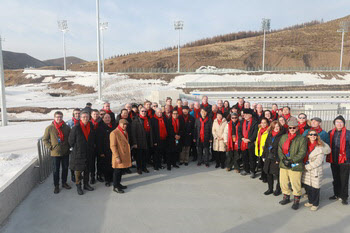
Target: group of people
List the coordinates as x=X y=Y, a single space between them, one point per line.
x=247 y=139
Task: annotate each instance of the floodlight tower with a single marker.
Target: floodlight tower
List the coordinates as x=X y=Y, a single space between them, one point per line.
x=2 y=89
x=344 y=27
x=265 y=27
x=179 y=25
x=103 y=26
x=98 y=50
x=63 y=27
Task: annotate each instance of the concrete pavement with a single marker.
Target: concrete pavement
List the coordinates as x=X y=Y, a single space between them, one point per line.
x=189 y=199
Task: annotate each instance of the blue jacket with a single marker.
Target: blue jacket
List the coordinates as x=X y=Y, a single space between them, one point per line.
x=336 y=147
x=323 y=135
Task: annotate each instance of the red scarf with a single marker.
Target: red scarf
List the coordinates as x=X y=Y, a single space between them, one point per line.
x=214 y=116
x=202 y=128
x=240 y=106
x=162 y=129
x=110 y=125
x=342 y=151
x=244 y=146
x=146 y=125
x=318 y=129
x=286 y=145
x=301 y=127
x=185 y=118
x=310 y=148
x=149 y=113
x=107 y=111
x=197 y=112
x=179 y=110
x=219 y=121
x=286 y=116
x=75 y=121
x=95 y=123
x=222 y=109
x=274 y=114
x=285 y=126
x=123 y=132
x=205 y=105
x=59 y=130
x=85 y=129
x=274 y=133
x=261 y=131
x=230 y=142
x=176 y=125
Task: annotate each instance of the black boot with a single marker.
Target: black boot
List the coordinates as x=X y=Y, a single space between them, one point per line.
x=92 y=180
x=285 y=200
x=88 y=187
x=79 y=190
x=56 y=190
x=295 y=205
x=277 y=192
x=72 y=174
x=268 y=192
x=100 y=178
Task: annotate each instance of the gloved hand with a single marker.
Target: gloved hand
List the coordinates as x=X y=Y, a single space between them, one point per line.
x=287 y=163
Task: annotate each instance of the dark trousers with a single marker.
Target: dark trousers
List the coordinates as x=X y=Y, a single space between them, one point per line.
x=203 y=153
x=313 y=194
x=249 y=160
x=117 y=177
x=160 y=153
x=56 y=164
x=261 y=166
x=93 y=166
x=194 y=150
x=141 y=158
x=220 y=157
x=232 y=159
x=99 y=165
x=79 y=175
x=107 y=170
x=171 y=158
x=341 y=180
x=270 y=181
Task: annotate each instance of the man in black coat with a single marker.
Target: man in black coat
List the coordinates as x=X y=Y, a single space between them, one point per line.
x=206 y=105
x=187 y=139
x=203 y=136
x=159 y=135
x=175 y=133
x=107 y=109
x=248 y=131
x=239 y=106
x=141 y=139
x=83 y=140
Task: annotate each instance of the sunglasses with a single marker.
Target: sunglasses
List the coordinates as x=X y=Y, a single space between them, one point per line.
x=234 y=117
x=292 y=127
x=143 y=111
x=313 y=134
x=102 y=114
x=302 y=118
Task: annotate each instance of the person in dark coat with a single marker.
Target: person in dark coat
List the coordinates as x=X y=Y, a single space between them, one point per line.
x=239 y=106
x=107 y=109
x=71 y=123
x=206 y=105
x=103 y=147
x=87 y=108
x=175 y=134
x=141 y=139
x=248 y=131
x=259 y=114
x=339 y=158
x=303 y=123
x=203 y=137
x=159 y=135
x=83 y=140
x=95 y=120
x=233 y=143
x=270 y=156
x=187 y=139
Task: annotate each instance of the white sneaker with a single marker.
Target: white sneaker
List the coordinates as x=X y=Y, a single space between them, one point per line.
x=307 y=204
x=314 y=208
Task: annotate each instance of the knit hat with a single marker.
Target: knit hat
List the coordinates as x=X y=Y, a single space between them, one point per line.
x=340 y=117
x=293 y=122
x=248 y=111
x=316 y=119
x=234 y=114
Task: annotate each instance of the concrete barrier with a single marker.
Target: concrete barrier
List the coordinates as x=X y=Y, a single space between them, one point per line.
x=16 y=189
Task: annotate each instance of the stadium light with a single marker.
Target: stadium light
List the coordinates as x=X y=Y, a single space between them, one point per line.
x=63 y=27
x=344 y=27
x=2 y=89
x=98 y=50
x=265 y=25
x=179 y=25
x=103 y=26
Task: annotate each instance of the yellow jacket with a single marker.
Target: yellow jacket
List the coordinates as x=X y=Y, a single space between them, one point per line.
x=259 y=151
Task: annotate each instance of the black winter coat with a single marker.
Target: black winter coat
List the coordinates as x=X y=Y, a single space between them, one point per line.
x=155 y=130
x=83 y=151
x=252 y=134
x=103 y=143
x=270 y=153
x=188 y=130
x=139 y=136
x=208 y=135
x=208 y=108
x=172 y=146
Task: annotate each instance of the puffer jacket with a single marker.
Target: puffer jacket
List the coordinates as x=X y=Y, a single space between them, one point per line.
x=218 y=131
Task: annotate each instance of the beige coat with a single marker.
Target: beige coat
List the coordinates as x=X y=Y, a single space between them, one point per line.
x=313 y=172
x=218 y=131
x=120 y=147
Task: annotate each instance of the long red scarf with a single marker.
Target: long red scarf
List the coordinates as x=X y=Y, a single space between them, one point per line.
x=59 y=129
x=286 y=145
x=185 y=118
x=176 y=125
x=222 y=109
x=107 y=111
x=123 y=132
x=85 y=129
x=244 y=145
x=197 y=112
x=75 y=121
x=274 y=114
x=286 y=116
x=162 y=129
x=179 y=110
x=149 y=113
x=202 y=128
x=274 y=133
x=310 y=148
x=146 y=125
x=230 y=142
x=205 y=105
x=219 y=121
x=95 y=123
x=261 y=132
x=318 y=129
x=214 y=116
x=342 y=151
x=240 y=106
x=301 y=127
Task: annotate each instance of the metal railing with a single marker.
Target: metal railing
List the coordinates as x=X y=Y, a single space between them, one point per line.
x=243 y=84
x=45 y=160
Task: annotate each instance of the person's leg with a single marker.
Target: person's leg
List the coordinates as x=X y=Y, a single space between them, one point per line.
x=56 y=170
x=295 y=180
x=309 y=192
x=336 y=178
x=117 y=176
x=245 y=157
x=252 y=160
x=93 y=167
x=344 y=181
x=78 y=177
x=270 y=181
x=65 y=164
x=182 y=155
x=206 y=156
x=284 y=181
x=216 y=155
x=186 y=150
x=316 y=196
x=236 y=159
x=229 y=160
x=278 y=186
x=200 y=153
x=139 y=159
x=194 y=151
x=222 y=159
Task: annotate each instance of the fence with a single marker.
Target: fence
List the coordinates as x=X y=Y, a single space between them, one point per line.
x=45 y=161
x=243 y=84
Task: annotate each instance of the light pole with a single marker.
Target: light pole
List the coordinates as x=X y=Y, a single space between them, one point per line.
x=344 y=27
x=3 y=97
x=265 y=27
x=179 y=25
x=103 y=26
x=98 y=50
x=63 y=27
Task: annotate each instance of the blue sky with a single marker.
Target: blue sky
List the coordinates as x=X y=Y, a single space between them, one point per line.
x=30 y=26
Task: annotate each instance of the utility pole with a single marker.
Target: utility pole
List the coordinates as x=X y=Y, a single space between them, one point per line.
x=63 y=27
x=98 y=50
x=344 y=27
x=265 y=27
x=179 y=25
x=3 y=96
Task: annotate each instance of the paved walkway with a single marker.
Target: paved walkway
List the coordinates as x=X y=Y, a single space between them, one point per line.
x=190 y=199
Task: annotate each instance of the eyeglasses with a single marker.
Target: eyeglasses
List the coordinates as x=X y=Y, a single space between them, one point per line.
x=313 y=134
x=102 y=114
x=143 y=111
x=292 y=127
x=302 y=118
x=234 y=117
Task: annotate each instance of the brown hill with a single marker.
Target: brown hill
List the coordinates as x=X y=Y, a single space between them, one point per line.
x=311 y=46
x=14 y=60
